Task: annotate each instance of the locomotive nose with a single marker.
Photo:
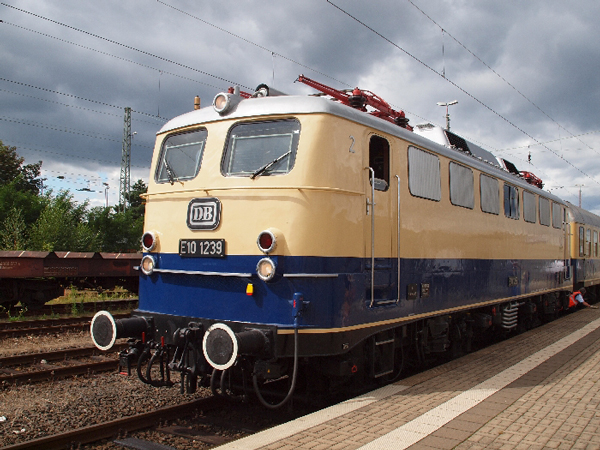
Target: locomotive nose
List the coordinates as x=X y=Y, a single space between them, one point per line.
x=105 y=330
x=221 y=346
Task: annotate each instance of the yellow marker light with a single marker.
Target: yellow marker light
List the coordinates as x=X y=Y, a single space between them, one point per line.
x=250 y=289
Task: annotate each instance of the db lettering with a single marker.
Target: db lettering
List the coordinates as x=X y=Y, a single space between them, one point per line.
x=203 y=213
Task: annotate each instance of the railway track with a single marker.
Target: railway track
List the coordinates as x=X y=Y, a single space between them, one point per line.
x=46 y=326
x=35 y=367
x=114 y=428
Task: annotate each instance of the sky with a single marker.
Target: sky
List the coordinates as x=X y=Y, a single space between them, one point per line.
x=525 y=75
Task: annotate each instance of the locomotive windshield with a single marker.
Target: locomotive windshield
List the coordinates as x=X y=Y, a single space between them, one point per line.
x=181 y=156
x=261 y=148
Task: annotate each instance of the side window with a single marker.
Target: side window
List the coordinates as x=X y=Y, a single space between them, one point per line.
x=379 y=161
x=595 y=244
x=588 y=242
x=461 y=186
x=556 y=215
x=181 y=156
x=261 y=148
x=490 y=194
x=581 y=241
x=424 y=178
x=544 y=211
x=511 y=202
x=529 y=207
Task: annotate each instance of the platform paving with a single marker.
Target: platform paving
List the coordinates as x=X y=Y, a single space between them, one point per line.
x=538 y=390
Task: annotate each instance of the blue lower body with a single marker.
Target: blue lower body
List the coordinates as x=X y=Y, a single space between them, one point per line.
x=342 y=299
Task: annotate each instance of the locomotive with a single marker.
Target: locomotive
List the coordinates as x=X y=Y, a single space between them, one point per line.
x=311 y=244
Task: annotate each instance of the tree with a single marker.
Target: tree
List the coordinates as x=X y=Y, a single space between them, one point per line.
x=117 y=231
x=61 y=227
x=28 y=203
x=12 y=170
x=13 y=231
x=133 y=199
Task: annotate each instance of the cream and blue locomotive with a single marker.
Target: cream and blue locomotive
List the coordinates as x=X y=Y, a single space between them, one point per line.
x=326 y=244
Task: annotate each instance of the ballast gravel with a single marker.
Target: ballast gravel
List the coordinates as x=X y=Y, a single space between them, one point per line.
x=31 y=411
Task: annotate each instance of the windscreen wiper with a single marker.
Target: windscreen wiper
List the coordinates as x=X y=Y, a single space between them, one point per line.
x=170 y=173
x=267 y=166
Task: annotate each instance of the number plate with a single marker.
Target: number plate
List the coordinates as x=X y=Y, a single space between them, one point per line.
x=206 y=248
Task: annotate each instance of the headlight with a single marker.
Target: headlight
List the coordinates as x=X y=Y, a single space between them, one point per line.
x=148 y=264
x=265 y=269
x=221 y=102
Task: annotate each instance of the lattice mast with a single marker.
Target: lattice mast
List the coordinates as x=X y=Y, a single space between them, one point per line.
x=124 y=185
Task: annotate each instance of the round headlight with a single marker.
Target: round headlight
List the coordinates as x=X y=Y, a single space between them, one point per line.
x=265 y=269
x=149 y=241
x=266 y=241
x=221 y=102
x=147 y=265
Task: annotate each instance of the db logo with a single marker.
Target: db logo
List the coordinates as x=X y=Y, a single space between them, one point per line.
x=204 y=214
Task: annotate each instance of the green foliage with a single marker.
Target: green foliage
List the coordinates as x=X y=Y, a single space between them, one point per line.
x=120 y=231
x=61 y=227
x=12 y=170
x=13 y=231
x=19 y=317
x=48 y=222
x=29 y=203
x=117 y=231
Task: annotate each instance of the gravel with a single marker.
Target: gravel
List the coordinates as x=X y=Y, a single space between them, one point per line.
x=32 y=411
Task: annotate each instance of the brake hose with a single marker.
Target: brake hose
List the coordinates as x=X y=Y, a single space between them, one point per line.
x=294 y=374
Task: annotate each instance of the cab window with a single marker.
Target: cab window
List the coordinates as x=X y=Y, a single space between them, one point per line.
x=379 y=161
x=181 y=156
x=261 y=148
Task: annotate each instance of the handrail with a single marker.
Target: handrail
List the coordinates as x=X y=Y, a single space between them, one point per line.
x=372 y=203
x=398 y=237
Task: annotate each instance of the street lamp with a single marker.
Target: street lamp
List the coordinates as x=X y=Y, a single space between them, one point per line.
x=106 y=187
x=446 y=104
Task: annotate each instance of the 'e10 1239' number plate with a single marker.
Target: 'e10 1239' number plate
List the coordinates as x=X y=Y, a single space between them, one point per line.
x=207 y=248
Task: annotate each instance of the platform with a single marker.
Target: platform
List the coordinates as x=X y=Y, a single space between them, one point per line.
x=538 y=390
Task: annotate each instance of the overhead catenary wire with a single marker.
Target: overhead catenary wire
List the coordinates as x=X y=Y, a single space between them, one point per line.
x=61 y=129
x=230 y=34
x=82 y=108
x=248 y=41
x=461 y=89
x=161 y=71
x=550 y=142
x=121 y=44
x=76 y=96
x=31 y=148
x=444 y=31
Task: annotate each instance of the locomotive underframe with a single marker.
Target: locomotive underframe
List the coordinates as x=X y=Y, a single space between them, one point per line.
x=335 y=361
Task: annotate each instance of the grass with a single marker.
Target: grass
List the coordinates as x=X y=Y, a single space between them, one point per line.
x=74 y=297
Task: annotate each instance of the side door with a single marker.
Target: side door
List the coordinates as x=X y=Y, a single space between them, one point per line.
x=380 y=224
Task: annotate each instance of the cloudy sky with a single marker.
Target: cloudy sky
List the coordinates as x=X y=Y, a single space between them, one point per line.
x=525 y=75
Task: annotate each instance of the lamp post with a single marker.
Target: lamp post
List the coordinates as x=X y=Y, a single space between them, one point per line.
x=446 y=104
x=106 y=187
